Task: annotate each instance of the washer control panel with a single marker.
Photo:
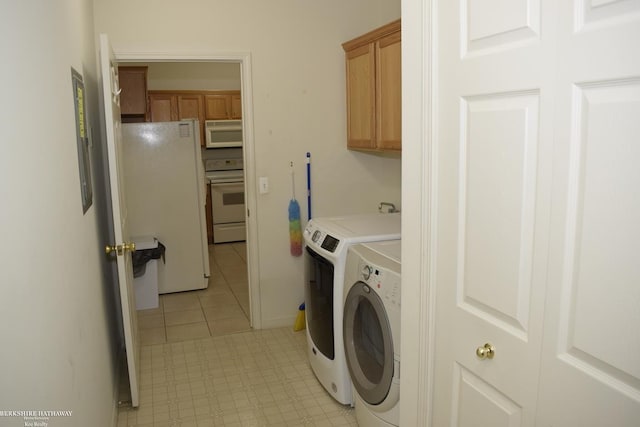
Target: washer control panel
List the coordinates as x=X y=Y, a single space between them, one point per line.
x=384 y=282
x=321 y=238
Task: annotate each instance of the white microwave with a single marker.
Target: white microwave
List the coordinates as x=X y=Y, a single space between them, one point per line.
x=223 y=133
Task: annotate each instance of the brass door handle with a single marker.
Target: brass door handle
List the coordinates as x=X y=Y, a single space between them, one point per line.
x=486 y=352
x=120 y=249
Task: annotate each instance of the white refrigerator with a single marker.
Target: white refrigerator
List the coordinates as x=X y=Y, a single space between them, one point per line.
x=166 y=196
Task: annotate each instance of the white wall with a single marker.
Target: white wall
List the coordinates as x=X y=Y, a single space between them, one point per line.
x=58 y=336
x=191 y=75
x=299 y=106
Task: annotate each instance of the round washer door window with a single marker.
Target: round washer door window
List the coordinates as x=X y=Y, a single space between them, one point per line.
x=368 y=343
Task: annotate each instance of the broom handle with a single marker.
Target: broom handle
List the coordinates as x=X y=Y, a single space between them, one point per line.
x=308 y=185
x=293 y=183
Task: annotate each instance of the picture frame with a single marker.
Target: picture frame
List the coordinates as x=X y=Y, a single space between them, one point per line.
x=82 y=140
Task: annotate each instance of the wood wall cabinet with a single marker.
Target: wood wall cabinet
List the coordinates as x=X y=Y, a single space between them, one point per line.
x=223 y=105
x=190 y=106
x=163 y=107
x=133 y=98
x=167 y=106
x=374 y=98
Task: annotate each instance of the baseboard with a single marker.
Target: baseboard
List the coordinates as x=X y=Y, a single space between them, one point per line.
x=280 y=322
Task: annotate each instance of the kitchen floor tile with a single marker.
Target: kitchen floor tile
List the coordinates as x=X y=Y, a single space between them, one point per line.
x=224 y=312
x=187 y=332
x=221 y=299
x=173 y=318
x=180 y=301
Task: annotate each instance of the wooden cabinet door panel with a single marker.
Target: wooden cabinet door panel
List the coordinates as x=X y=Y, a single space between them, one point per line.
x=236 y=106
x=216 y=107
x=192 y=107
x=360 y=97
x=389 y=93
x=163 y=108
x=133 y=83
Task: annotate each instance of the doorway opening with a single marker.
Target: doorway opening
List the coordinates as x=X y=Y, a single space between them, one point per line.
x=232 y=264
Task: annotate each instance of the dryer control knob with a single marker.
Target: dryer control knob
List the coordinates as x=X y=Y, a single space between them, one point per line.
x=366 y=272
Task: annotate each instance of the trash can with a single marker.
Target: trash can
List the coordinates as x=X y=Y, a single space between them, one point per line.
x=145 y=271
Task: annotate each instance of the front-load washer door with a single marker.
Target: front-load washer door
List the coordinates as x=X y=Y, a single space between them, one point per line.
x=319 y=274
x=368 y=343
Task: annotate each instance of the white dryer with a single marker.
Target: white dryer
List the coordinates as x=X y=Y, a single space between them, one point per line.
x=327 y=241
x=371 y=331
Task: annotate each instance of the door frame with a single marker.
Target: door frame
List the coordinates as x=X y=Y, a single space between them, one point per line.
x=246 y=92
x=419 y=212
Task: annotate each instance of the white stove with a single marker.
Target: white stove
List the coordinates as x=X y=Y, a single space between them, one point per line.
x=226 y=176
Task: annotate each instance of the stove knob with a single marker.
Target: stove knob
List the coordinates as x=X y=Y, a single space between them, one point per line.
x=366 y=272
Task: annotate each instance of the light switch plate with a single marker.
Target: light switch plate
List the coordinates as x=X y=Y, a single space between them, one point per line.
x=264 y=185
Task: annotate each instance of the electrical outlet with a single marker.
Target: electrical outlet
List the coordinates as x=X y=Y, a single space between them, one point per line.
x=264 y=185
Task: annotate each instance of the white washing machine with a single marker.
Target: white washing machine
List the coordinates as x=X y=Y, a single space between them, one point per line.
x=371 y=331
x=327 y=241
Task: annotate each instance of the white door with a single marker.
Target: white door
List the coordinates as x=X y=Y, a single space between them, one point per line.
x=495 y=118
x=121 y=247
x=537 y=198
x=591 y=355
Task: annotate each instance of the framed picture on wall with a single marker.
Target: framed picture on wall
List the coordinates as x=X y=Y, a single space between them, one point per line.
x=82 y=139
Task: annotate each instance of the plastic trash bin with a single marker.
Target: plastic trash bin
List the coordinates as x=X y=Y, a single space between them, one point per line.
x=145 y=265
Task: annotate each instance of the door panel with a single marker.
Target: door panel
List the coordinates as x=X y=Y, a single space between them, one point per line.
x=591 y=342
x=111 y=101
x=494 y=25
x=497 y=175
x=477 y=403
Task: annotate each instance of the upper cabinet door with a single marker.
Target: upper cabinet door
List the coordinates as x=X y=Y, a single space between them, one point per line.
x=217 y=107
x=191 y=106
x=133 y=98
x=360 y=97
x=163 y=107
x=236 y=106
x=388 y=92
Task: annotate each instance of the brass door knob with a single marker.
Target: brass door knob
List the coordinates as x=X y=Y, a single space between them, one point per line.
x=120 y=249
x=115 y=248
x=486 y=352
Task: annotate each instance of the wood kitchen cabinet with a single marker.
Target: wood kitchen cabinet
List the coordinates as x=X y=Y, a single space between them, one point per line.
x=223 y=105
x=374 y=98
x=167 y=106
x=190 y=106
x=133 y=97
x=163 y=107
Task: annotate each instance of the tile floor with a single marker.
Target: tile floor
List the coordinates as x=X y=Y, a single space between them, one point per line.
x=220 y=309
x=202 y=365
